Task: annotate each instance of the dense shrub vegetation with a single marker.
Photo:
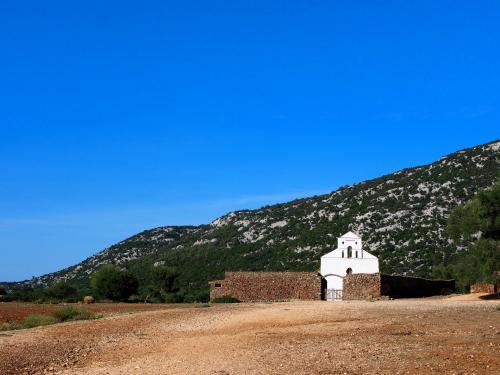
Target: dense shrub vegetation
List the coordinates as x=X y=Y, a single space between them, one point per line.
x=114 y=284
x=38 y=320
x=63 y=292
x=111 y=282
x=59 y=292
x=71 y=313
x=476 y=227
x=163 y=285
x=63 y=315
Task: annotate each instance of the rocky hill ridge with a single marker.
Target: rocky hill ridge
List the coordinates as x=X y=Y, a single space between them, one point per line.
x=401 y=217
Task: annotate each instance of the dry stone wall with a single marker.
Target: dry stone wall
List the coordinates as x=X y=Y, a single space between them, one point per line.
x=269 y=286
x=361 y=286
x=408 y=287
x=377 y=285
x=484 y=288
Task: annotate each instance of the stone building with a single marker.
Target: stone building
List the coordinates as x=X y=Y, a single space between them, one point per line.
x=348 y=272
x=348 y=258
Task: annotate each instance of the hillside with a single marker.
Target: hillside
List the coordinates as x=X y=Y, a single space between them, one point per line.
x=401 y=217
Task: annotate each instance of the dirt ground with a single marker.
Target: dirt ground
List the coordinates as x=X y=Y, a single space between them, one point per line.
x=16 y=312
x=418 y=336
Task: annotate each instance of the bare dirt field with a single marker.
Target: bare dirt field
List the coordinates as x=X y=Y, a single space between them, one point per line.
x=418 y=336
x=16 y=312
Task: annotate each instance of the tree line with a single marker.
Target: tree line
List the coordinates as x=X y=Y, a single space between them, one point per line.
x=112 y=283
x=475 y=228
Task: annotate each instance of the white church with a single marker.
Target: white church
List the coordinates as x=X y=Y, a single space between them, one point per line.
x=349 y=257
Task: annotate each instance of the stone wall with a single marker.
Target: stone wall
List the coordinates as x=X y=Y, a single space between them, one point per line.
x=269 y=286
x=377 y=285
x=217 y=289
x=408 y=287
x=484 y=288
x=361 y=286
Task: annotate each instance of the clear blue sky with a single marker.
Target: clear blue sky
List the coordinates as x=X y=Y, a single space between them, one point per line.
x=116 y=117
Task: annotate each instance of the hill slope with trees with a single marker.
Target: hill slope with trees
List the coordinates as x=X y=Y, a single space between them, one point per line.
x=402 y=218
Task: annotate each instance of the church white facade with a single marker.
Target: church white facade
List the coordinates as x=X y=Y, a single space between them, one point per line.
x=348 y=257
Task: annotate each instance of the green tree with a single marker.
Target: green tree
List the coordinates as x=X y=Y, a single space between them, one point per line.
x=165 y=279
x=479 y=264
x=3 y=291
x=480 y=218
x=476 y=225
x=62 y=291
x=113 y=283
x=163 y=285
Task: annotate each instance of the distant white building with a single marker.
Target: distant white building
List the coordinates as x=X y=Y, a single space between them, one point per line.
x=348 y=257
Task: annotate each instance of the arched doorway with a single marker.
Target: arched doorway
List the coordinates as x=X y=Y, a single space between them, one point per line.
x=348 y=271
x=349 y=252
x=334 y=287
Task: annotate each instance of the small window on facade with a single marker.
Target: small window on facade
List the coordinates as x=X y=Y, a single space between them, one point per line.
x=342 y=253
x=218 y=285
x=342 y=242
x=356 y=253
x=356 y=242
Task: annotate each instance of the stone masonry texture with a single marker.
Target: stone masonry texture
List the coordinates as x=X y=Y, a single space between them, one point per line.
x=484 y=288
x=372 y=286
x=268 y=286
x=364 y=286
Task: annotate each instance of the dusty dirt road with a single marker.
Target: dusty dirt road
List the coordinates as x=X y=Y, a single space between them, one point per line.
x=387 y=337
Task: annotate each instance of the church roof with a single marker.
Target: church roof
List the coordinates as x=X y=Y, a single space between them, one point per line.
x=350 y=235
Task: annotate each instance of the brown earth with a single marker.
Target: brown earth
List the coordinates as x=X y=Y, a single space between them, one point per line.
x=16 y=312
x=418 y=336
